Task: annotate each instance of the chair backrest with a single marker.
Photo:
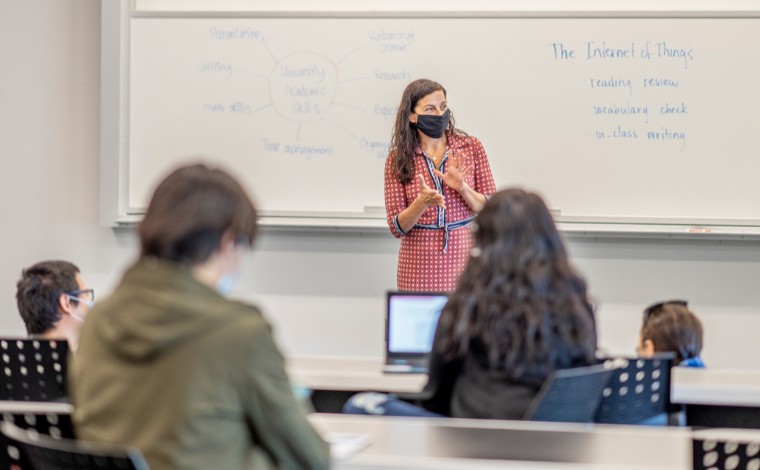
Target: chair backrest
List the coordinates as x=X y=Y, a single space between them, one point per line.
x=46 y=453
x=52 y=419
x=571 y=395
x=33 y=369
x=638 y=391
x=729 y=449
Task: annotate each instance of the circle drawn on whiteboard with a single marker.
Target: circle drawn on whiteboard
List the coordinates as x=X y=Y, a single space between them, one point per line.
x=302 y=86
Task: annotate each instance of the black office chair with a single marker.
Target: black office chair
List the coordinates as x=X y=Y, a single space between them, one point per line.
x=638 y=392
x=33 y=369
x=571 y=395
x=52 y=419
x=46 y=453
x=729 y=450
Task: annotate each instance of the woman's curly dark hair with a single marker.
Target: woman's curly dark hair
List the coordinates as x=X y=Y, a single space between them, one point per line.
x=519 y=299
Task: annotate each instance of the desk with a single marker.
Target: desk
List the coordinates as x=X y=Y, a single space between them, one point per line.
x=334 y=379
x=724 y=398
x=719 y=398
x=690 y=386
x=430 y=443
x=350 y=374
x=40 y=407
x=716 y=387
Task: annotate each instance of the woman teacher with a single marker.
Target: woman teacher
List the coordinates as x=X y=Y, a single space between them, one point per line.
x=437 y=178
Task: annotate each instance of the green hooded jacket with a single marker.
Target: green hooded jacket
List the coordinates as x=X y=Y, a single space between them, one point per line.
x=192 y=379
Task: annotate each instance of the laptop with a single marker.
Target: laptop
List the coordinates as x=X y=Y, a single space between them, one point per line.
x=410 y=323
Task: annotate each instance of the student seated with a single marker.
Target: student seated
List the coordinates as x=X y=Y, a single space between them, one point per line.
x=671 y=327
x=53 y=301
x=519 y=312
x=171 y=366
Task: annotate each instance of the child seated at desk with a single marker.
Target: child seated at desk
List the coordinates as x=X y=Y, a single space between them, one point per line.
x=671 y=327
x=519 y=312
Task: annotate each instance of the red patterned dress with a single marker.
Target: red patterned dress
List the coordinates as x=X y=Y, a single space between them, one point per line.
x=434 y=252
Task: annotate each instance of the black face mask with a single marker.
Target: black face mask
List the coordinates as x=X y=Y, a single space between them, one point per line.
x=433 y=126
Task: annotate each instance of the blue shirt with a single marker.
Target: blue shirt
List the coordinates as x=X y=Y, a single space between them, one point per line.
x=693 y=362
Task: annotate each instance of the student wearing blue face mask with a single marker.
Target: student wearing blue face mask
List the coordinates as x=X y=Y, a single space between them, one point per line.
x=53 y=301
x=170 y=365
x=437 y=178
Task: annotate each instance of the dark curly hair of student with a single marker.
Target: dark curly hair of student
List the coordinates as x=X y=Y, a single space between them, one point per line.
x=404 y=139
x=519 y=299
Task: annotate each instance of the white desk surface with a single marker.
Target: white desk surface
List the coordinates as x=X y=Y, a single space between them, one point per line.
x=35 y=407
x=716 y=387
x=728 y=435
x=454 y=444
x=355 y=373
x=689 y=386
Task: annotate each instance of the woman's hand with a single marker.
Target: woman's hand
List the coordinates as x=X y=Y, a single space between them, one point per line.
x=429 y=197
x=456 y=172
x=408 y=217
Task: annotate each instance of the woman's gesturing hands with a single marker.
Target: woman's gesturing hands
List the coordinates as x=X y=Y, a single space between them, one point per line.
x=428 y=196
x=455 y=174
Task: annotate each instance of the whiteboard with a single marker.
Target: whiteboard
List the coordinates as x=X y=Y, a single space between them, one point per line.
x=643 y=120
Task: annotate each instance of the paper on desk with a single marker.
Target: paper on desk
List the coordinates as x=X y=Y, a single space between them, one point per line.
x=345 y=444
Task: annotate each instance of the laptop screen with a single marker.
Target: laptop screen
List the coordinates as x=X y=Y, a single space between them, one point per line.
x=412 y=319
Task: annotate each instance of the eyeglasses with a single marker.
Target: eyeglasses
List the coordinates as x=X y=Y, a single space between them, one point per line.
x=82 y=295
x=243 y=242
x=654 y=308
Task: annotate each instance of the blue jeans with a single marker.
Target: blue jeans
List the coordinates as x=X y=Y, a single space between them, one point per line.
x=383 y=404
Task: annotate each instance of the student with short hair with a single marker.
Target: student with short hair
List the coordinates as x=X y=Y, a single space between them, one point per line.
x=671 y=327
x=170 y=365
x=53 y=300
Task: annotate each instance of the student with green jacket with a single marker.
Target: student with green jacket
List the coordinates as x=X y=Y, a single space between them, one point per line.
x=170 y=365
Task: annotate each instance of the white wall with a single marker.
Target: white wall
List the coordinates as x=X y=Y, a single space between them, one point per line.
x=49 y=116
x=324 y=291
x=312 y=283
